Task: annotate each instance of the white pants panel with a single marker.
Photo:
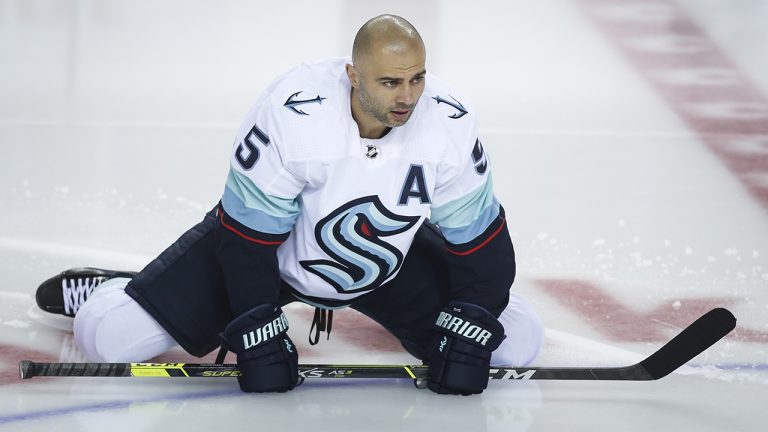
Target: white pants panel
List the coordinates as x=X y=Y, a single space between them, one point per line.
x=112 y=327
x=525 y=334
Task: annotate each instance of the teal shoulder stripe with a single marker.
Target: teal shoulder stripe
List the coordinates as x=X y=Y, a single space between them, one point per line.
x=472 y=231
x=254 y=198
x=250 y=206
x=465 y=210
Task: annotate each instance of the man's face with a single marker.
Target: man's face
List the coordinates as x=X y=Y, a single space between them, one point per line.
x=389 y=83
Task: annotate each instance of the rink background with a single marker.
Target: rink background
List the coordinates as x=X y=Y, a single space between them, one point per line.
x=116 y=121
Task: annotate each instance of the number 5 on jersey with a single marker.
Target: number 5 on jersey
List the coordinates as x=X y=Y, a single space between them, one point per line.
x=250 y=144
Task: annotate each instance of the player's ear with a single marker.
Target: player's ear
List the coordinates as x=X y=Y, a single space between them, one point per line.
x=354 y=77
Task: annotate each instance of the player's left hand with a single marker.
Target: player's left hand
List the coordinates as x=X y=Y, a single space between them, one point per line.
x=460 y=359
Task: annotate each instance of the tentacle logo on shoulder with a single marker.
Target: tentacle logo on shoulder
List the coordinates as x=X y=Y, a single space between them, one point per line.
x=351 y=235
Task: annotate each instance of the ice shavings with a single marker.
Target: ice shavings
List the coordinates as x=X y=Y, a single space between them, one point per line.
x=16 y=323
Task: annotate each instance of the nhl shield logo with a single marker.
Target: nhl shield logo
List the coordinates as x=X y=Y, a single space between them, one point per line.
x=371 y=151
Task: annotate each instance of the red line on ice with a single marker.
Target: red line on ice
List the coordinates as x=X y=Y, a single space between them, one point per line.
x=622 y=323
x=697 y=80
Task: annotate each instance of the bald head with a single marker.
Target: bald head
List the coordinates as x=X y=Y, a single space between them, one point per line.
x=387 y=75
x=385 y=34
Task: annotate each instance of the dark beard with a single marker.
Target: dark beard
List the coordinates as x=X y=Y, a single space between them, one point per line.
x=370 y=108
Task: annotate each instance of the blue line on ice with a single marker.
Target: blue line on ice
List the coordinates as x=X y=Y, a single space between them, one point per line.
x=736 y=366
x=56 y=412
x=120 y=404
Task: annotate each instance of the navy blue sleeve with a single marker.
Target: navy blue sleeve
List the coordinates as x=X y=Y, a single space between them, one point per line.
x=482 y=270
x=248 y=260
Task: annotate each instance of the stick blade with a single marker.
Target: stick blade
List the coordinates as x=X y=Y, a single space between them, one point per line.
x=692 y=341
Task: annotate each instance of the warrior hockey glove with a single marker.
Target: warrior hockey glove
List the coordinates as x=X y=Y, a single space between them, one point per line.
x=460 y=360
x=266 y=356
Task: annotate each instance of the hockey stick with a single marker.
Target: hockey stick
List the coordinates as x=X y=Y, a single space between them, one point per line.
x=694 y=339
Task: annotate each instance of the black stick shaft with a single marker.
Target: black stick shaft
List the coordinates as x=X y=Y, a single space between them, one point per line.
x=694 y=339
x=192 y=370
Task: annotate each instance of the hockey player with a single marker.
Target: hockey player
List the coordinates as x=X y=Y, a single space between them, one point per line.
x=361 y=184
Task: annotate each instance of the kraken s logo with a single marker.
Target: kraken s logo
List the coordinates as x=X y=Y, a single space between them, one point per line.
x=351 y=235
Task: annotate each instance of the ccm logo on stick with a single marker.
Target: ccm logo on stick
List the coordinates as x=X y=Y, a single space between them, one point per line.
x=463 y=328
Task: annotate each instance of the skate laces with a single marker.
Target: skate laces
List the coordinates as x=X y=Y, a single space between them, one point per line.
x=77 y=290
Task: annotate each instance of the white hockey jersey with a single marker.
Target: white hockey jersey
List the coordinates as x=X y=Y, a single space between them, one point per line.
x=353 y=205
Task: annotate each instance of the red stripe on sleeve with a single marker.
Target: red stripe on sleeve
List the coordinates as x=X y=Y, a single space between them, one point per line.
x=480 y=246
x=251 y=239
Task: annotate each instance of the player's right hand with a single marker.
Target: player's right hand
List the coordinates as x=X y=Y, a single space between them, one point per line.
x=266 y=356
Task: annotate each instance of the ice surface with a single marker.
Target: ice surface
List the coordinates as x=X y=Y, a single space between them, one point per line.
x=635 y=190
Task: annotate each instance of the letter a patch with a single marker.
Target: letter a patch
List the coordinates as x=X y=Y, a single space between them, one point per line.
x=415 y=186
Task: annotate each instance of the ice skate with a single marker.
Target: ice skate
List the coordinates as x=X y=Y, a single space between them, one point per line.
x=64 y=293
